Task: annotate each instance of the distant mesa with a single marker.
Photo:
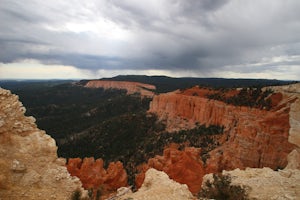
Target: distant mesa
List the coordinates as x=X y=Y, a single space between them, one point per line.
x=145 y=90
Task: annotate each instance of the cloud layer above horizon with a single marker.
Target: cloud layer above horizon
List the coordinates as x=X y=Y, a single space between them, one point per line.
x=97 y=38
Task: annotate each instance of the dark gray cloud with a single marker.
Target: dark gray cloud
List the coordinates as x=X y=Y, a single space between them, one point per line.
x=205 y=35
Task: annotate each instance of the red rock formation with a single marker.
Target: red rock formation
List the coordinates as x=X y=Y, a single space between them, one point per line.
x=257 y=138
x=116 y=175
x=93 y=175
x=185 y=167
x=146 y=90
x=181 y=111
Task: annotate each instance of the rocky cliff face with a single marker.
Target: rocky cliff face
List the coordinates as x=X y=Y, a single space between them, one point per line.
x=94 y=176
x=266 y=183
x=29 y=167
x=257 y=137
x=293 y=92
x=145 y=90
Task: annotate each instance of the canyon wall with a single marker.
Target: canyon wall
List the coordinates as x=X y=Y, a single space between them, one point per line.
x=266 y=183
x=256 y=137
x=145 y=90
x=292 y=92
x=29 y=167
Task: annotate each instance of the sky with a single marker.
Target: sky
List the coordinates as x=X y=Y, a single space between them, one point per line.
x=75 y=39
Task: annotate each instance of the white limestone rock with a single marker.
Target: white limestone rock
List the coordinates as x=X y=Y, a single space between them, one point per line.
x=29 y=167
x=158 y=185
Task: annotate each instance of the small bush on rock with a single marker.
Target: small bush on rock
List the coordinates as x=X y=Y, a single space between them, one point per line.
x=221 y=189
x=76 y=195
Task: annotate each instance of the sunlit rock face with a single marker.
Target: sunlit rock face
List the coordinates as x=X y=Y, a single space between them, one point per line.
x=158 y=185
x=256 y=137
x=184 y=167
x=145 y=90
x=93 y=175
x=29 y=167
x=293 y=92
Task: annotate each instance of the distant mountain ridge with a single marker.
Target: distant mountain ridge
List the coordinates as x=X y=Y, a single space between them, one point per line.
x=163 y=83
x=167 y=84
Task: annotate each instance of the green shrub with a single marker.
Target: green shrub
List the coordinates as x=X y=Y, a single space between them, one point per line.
x=76 y=195
x=222 y=189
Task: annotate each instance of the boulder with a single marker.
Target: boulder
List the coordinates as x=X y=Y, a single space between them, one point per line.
x=158 y=185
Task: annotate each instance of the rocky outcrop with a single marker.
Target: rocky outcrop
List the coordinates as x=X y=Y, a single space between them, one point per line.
x=145 y=90
x=29 y=167
x=292 y=92
x=158 y=185
x=264 y=183
x=184 y=167
x=256 y=137
x=94 y=176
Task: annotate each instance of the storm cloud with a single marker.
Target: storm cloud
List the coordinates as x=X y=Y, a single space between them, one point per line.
x=206 y=38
